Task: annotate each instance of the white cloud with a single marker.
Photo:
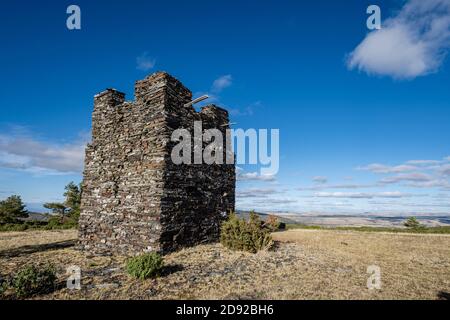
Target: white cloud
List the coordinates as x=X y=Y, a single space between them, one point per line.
x=38 y=157
x=411 y=44
x=381 y=168
x=423 y=162
x=416 y=173
x=320 y=179
x=248 y=111
x=363 y=195
x=445 y=170
x=281 y=201
x=254 y=176
x=221 y=83
x=414 y=177
x=338 y=186
x=435 y=183
x=144 y=62
x=255 y=193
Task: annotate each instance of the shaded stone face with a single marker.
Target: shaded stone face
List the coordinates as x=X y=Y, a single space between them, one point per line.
x=135 y=199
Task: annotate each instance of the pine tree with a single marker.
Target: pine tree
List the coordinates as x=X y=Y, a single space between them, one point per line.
x=73 y=199
x=12 y=209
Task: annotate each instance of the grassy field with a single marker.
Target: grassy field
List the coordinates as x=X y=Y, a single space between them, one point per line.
x=305 y=264
x=424 y=230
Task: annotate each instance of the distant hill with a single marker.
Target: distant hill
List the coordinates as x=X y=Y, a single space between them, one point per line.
x=35 y=216
x=263 y=216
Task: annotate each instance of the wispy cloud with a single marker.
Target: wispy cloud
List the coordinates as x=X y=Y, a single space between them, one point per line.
x=282 y=201
x=435 y=183
x=361 y=195
x=417 y=179
x=423 y=162
x=216 y=88
x=25 y=153
x=247 y=111
x=338 y=186
x=256 y=193
x=412 y=177
x=6 y=192
x=320 y=179
x=254 y=176
x=445 y=170
x=221 y=83
x=381 y=168
x=413 y=43
x=144 y=62
x=414 y=173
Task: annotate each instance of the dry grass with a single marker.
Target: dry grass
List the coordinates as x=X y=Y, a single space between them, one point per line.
x=307 y=264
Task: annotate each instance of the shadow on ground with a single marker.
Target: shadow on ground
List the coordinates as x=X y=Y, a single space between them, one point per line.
x=169 y=269
x=25 y=250
x=442 y=295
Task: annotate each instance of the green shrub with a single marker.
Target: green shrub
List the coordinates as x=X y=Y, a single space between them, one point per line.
x=32 y=280
x=57 y=223
x=54 y=223
x=145 y=266
x=272 y=223
x=250 y=236
x=413 y=223
x=13 y=227
x=3 y=286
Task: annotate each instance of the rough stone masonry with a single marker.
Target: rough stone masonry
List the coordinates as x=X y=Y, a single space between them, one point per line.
x=135 y=199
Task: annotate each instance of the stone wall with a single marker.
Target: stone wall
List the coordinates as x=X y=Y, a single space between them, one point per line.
x=135 y=199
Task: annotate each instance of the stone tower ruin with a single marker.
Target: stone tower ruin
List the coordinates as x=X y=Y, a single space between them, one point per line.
x=135 y=199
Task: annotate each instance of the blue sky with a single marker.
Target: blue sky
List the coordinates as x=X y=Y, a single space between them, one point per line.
x=363 y=115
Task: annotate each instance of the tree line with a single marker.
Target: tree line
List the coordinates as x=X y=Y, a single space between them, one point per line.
x=13 y=210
